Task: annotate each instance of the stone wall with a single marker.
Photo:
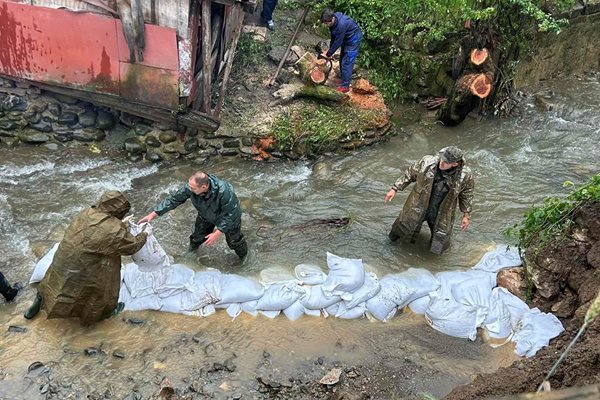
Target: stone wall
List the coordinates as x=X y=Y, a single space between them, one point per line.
x=575 y=50
x=30 y=116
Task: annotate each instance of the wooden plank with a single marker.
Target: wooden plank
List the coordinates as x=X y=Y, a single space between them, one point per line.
x=206 y=56
x=194 y=15
x=238 y=20
x=591 y=392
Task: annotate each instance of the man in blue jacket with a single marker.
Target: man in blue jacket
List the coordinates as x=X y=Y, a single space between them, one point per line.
x=346 y=34
x=219 y=212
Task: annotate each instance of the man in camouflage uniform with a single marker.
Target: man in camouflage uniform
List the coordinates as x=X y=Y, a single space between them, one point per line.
x=441 y=183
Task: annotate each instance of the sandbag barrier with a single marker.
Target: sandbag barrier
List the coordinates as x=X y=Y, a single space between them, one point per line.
x=456 y=303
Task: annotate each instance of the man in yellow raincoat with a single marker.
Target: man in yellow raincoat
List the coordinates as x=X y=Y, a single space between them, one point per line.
x=84 y=278
x=441 y=183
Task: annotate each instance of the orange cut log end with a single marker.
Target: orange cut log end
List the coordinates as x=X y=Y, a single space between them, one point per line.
x=317 y=76
x=478 y=57
x=481 y=86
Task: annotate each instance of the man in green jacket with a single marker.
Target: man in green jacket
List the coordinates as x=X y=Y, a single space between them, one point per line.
x=441 y=183
x=219 y=212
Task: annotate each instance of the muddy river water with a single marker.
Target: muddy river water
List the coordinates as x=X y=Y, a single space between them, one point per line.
x=516 y=162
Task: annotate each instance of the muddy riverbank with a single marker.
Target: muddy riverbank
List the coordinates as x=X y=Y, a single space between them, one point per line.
x=571 y=264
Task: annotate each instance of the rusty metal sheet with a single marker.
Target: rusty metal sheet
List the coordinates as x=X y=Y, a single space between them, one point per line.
x=73 y=5
x=169 y=13
x=61 y=47
x=160 y=50
x=149 y=85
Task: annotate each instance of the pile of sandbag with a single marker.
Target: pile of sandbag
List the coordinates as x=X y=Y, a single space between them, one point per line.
x=456 y=303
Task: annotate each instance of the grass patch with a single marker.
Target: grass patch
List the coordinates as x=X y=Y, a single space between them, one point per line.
x=248 y=53
x=314 y=128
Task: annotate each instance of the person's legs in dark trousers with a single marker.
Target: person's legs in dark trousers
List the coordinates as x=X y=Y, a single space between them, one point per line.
x=347 y=58
x=6 y=289
x=237 y=242
x=267 y=13
x=199 y=232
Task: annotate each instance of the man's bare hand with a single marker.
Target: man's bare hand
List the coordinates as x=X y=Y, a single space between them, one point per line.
x=389 y=195
x=464 y=224
x=148 y=218
x=212 y=237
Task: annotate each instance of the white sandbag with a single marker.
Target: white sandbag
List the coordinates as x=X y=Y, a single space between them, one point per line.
x=497 y=321
x=502 y=257
x=249 y=307
x=280 y=296
x=340 y=310
x=312 y=313
x=535 y=331
x=208 y=310
x=345 y=275
x=419 y=279
x=238 y=289
x=369 y=289
x=172 y=280
x=516 y=307
x=151 y=256
x=139 y=284
x=40 y=269
x=393 y=294
x=449 y=279
x=124 y=295
x=294 y=311
x=165 y=282
x=172 y=304
x=204 y=290
x=309 y=274
x=452 y=318
x=474 y=293
x=419 y=306
x=234 y=310
x=270 y=314
x=316 y=299
x=149 y=302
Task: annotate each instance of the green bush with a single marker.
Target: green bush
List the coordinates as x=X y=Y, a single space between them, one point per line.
x=397 y=31
x=552 y=219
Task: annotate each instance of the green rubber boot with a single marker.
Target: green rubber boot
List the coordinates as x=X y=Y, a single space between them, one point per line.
x=35 y=307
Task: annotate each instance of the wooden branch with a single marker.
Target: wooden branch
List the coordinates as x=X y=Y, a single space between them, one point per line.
x=206 y=56
x=238 y=21
x=291 y=91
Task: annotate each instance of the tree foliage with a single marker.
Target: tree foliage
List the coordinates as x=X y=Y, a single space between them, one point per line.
x=396 y=32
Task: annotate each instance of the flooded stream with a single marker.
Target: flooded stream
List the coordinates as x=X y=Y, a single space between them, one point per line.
x=516 y=162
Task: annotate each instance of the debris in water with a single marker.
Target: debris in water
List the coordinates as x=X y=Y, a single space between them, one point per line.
x=332 y=377
x=17 y=329
x=34 y=365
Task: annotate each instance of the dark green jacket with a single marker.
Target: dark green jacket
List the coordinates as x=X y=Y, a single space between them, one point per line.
x=220 y=206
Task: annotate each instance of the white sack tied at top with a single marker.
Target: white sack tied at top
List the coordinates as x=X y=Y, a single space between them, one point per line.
x=151 y=256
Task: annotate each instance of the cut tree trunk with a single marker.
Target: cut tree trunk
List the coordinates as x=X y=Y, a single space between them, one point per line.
x=479 y=85
x=478 y=57
x=312 y=69
x=290 y=91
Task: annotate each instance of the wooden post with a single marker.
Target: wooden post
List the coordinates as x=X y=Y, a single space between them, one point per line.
x=206 y=56
x=238 y=20
x=194 y=8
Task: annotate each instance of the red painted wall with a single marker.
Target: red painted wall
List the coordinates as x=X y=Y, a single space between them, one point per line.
x=88 y=52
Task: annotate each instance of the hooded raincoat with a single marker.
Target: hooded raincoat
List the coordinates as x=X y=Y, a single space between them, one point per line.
x=409 y=222
x=84 y=278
